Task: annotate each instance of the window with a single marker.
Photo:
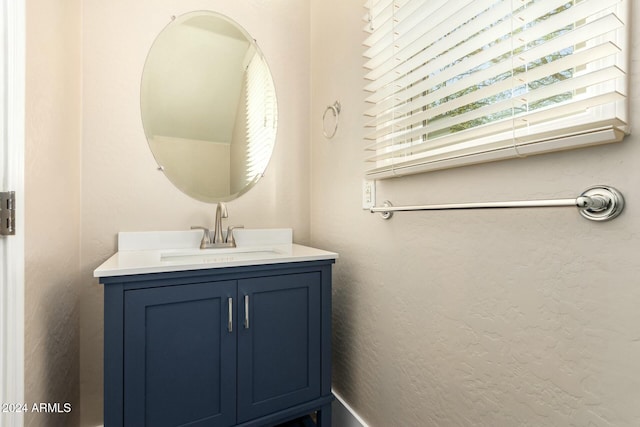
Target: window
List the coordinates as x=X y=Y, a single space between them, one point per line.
x=456 y=83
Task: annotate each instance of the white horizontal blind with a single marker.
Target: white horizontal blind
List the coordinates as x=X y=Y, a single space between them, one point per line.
x=454 y=83
x=260 y=102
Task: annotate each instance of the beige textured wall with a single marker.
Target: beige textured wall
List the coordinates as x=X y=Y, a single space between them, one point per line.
x=121 y=189
x=52 y=237
x=478 y=318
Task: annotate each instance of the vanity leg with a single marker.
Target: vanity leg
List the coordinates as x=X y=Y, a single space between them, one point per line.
x=324 y=416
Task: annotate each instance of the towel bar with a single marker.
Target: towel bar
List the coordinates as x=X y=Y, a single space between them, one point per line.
x=597 y=203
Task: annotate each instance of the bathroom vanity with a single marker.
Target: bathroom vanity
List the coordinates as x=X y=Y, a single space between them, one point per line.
x=238 y=337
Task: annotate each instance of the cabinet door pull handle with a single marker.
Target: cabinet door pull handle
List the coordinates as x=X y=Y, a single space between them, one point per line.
x=230 y=324
x=246 y=311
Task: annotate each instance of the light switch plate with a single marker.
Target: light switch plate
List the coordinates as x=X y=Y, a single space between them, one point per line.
x=368 y=193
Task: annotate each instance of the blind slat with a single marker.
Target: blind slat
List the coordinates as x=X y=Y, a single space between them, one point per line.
x=432 y=24
x=385 y=114
x=421 y=21
x=403 y=146
x=386 y=85
x=402 y=117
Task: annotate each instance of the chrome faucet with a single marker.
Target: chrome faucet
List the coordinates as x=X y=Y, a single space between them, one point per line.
x=221 y=212
x=214 y=238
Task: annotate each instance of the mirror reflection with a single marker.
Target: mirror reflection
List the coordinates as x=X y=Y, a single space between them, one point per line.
x=209 y=107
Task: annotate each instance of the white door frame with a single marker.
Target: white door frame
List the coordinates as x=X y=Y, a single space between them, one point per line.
x=12 y=155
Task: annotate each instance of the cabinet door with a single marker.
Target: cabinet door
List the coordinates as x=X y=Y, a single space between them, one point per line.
x=179 y=356
x=279 y=349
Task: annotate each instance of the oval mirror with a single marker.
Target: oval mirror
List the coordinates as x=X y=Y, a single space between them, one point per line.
x=208 y=106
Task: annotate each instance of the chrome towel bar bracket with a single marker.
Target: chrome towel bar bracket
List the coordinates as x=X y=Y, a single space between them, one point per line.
x=597 y=203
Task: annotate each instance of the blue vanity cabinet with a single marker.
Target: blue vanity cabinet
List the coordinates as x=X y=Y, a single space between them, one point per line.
x=278 y=343
x=240 y=346
x=179 y=355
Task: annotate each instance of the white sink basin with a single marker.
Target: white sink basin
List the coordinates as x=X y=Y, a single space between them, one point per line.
x=220 y=255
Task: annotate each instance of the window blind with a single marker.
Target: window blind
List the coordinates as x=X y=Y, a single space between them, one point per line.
x=260 y=104
x=456 y=83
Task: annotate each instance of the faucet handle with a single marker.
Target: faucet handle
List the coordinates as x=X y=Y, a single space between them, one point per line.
x=206 y=237
x=230 y=238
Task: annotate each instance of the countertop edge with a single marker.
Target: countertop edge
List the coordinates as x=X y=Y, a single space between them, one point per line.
x=113 y=267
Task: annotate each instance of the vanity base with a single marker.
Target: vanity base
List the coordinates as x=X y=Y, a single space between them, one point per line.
x=240 y=346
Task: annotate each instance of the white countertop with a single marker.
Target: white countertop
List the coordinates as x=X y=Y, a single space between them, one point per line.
x=160 y=252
